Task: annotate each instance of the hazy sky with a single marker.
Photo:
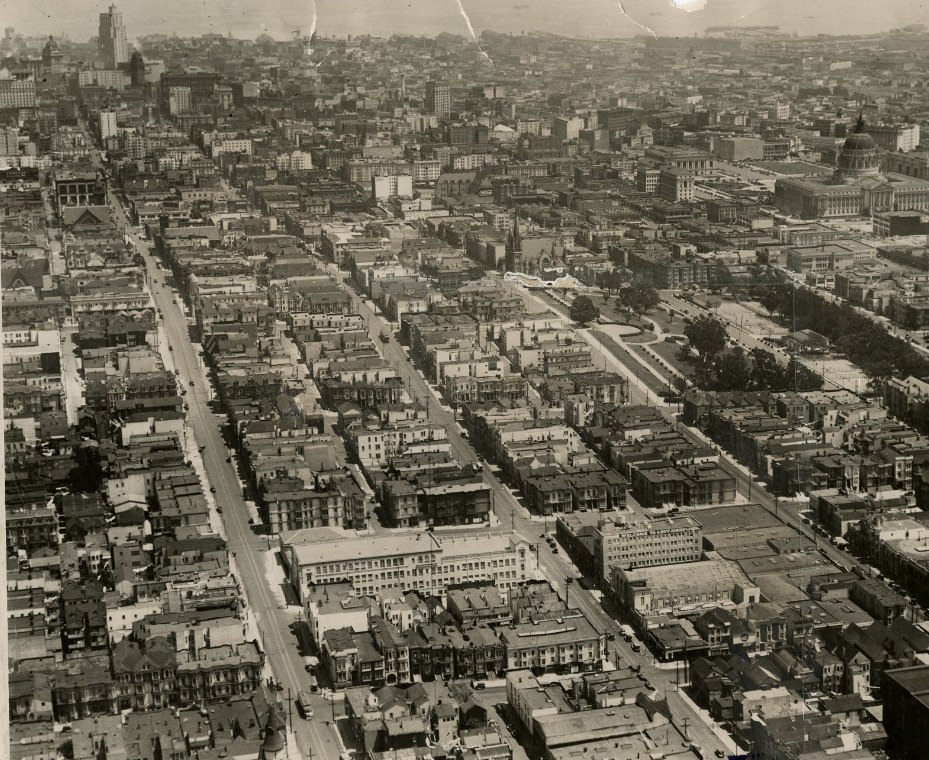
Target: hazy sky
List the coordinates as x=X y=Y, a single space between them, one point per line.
x=77 y=19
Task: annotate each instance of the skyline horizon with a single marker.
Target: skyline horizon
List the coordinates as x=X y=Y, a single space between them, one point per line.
x=76 y=20
x=705 y=34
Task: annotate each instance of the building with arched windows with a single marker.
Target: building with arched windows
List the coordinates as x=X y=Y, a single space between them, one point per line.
x=858 y=187
x=534 y=254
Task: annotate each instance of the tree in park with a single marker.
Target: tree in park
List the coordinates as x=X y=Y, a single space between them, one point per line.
x=680 y=384
x=732 y=370
x=771 y=300
x=624 y=300
x=801 y=378
x=767 y=372
x=642 y=298
x=583 y=310
x=707 y=337
x=614 y=281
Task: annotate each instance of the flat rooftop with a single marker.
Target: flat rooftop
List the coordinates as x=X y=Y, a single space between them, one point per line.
x=714 y=573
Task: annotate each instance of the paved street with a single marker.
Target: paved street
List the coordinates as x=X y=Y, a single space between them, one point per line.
x=270 y=617
x=273 y=247
x=275 y=620
x=556 y=567
x=748 y=486
x=71 y=378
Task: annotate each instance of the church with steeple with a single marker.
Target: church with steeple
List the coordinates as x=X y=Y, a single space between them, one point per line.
x=857 y=187
x=533 y=254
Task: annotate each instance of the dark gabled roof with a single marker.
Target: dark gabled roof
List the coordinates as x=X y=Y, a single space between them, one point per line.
x=844 y=703
x=857 y=640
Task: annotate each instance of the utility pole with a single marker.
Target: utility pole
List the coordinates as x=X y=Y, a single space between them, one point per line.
x=684 y=723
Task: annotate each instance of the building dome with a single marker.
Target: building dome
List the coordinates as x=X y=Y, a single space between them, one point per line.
x=860 y=156
x=859 y=141
x=51 y=53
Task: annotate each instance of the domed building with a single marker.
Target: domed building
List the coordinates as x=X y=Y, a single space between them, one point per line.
x=860 y=157
x=857 y=186
x=52 y=57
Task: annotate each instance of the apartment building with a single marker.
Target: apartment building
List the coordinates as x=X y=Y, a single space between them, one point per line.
x=561 y=644
x=427 y=561
x=600 y=542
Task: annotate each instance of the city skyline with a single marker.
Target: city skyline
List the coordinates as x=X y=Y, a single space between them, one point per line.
x=484 y=395
x=593 y=18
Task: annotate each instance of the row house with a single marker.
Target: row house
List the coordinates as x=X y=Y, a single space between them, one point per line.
x=255 y=383
x=220 y=673
x=145 y=674
x=603 y=387
x=662 y=485
x=83 y=694
x=479 y=390
x=83 y=618
x=365 y=394
x=438 y=498
x=30 y=528
x=564 y=644
x=309 y=295
x=295 y=508
x=426 y=652
x=600 y=490
x=379 y=447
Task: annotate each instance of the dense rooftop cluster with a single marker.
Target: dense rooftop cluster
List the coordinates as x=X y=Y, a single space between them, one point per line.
x=567 y=398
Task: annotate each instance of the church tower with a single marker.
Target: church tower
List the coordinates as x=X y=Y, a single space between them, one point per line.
x=514 y=247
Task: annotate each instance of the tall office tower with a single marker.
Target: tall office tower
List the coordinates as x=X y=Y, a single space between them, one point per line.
x=438 y=99
x=112 y=39
x=108 y=125
x=136 y=69
x=179 y=101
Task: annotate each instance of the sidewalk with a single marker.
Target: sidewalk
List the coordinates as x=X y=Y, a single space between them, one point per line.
x=251 y=626
x=711 y=724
